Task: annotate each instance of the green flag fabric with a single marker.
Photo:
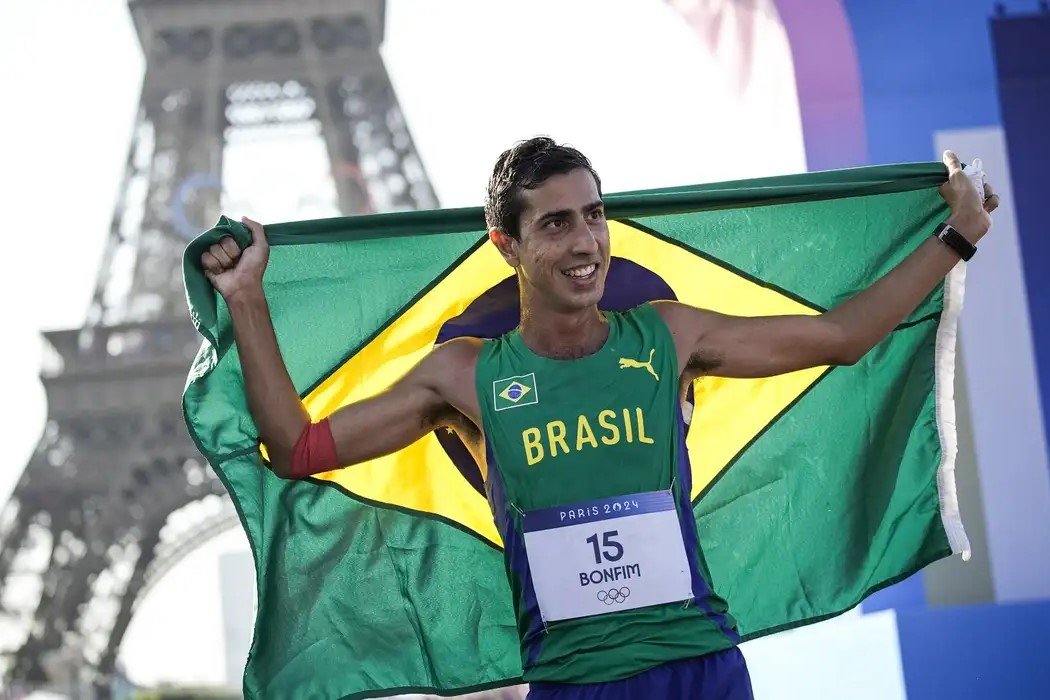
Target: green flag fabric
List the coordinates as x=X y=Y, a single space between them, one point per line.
x=811 y=490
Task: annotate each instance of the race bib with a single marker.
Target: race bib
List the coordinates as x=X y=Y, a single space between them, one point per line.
x=607 y=555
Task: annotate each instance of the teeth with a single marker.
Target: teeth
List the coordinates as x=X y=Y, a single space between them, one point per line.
x=581 y=271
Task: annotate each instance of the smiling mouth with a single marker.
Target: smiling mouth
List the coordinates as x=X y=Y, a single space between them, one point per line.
x=581 y=272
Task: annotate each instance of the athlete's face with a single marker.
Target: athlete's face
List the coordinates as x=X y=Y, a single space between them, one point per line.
x=563 y=252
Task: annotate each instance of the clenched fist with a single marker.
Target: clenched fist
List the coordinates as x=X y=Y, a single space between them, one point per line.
x=970 y=213
x=233 y=271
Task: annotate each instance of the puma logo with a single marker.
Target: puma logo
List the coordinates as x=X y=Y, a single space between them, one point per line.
x=626 y=362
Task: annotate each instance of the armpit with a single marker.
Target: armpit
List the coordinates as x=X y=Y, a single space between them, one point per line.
x=703 y=362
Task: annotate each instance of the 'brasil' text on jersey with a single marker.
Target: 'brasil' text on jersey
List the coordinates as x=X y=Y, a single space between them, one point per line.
x=561 y=437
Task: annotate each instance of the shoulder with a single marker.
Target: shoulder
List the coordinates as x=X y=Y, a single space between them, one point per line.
x=688 y=327
x=656 y=314
x=674 y=314
x=452 y=363
x=681 y=319
x=450 y=369
x=458 y=352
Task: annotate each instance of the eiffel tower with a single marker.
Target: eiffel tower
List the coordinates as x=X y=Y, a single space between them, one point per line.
x=115 y=493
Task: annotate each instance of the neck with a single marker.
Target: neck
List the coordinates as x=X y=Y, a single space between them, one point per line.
x=562 y=335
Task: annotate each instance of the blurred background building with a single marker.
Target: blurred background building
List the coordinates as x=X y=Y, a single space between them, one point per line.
x=110 y=575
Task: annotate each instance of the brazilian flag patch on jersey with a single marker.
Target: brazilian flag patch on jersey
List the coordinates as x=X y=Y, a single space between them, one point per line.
x=514 y=392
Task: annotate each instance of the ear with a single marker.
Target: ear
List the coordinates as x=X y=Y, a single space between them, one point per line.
x=506 y=245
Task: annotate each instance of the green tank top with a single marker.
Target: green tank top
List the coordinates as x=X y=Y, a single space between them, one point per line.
x=567 y=432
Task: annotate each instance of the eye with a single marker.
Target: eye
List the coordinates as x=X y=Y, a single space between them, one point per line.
x=554 y=224
x=596 y=215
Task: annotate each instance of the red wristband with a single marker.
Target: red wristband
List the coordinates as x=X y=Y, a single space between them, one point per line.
x=314 y=451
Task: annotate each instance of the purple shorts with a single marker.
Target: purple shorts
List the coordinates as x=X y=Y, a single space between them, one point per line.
x=719 y=676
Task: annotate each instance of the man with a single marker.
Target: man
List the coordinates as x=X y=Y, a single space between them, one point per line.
x=605 y=445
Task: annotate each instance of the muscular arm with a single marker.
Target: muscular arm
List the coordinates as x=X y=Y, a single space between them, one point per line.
x=731 y=346
x=437 y=392
x=272 y=399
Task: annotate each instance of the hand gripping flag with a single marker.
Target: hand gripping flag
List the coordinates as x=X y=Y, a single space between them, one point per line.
x=811 y=489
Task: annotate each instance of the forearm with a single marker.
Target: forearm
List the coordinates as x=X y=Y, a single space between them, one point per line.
x=866 y=318
x=272 y=398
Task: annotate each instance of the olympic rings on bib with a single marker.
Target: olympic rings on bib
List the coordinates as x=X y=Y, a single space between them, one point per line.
x=614 y=595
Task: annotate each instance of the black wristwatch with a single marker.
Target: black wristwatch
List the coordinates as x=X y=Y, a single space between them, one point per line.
x=954 y=240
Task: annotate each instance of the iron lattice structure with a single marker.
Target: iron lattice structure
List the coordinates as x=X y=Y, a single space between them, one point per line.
x=115 y=492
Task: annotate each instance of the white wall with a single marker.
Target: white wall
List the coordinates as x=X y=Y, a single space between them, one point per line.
x=852 y=656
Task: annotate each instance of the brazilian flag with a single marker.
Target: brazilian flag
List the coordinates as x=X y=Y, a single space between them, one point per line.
x=811 y=489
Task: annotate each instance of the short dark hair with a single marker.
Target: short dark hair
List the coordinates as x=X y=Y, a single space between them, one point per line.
x=525 y=166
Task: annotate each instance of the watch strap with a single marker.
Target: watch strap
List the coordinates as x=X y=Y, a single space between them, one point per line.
x=954 y=240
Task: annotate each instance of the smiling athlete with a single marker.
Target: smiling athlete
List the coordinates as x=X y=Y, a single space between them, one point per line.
x=575 y=420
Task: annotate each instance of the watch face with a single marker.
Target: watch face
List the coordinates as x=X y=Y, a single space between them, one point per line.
x=187 y=198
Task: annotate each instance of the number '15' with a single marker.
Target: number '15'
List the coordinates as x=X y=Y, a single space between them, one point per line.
x=610 y=548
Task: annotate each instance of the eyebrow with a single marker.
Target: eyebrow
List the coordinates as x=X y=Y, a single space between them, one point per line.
x=596 y=204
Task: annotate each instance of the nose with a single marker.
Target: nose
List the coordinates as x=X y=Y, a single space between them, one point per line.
x=584 y=240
